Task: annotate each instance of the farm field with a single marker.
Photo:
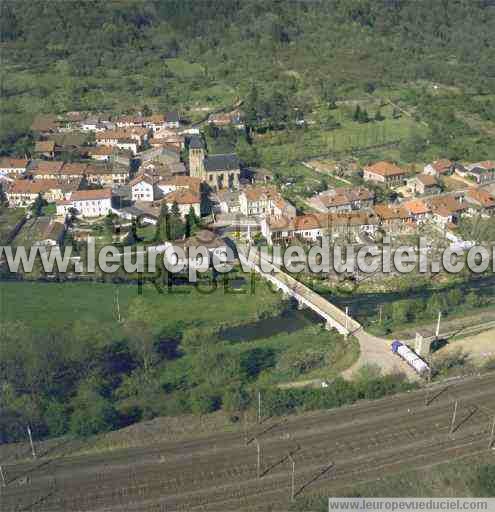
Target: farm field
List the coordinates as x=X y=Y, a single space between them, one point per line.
x=333 y=452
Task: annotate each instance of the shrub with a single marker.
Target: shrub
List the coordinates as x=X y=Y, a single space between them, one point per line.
x=205 y=400
x=483 y=484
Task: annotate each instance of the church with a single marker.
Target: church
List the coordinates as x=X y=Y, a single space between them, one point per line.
x=217 y=171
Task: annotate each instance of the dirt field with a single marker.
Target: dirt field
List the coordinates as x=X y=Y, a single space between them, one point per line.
x=480 y=347
x=332 y=450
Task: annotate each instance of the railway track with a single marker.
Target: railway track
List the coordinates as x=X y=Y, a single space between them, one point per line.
x=219 y=472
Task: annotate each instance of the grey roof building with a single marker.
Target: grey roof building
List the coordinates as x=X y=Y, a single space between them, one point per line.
x=226 y=162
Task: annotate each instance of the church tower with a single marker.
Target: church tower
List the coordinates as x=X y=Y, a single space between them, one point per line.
x=196 y=157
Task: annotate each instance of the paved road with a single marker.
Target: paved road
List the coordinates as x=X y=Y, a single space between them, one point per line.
x=373 y=350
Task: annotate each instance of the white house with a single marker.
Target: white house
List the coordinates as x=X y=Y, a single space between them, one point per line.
x=265 y=202
x=439 y=168
x=143 y=188
x=63 y=207
x=92 y=203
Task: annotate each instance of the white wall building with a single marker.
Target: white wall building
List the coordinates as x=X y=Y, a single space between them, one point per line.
x=92 y=203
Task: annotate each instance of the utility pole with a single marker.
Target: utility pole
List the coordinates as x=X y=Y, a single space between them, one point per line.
x=492 y=434
x=381 y=314
x=245 y=428
x=453 y=418
x=427 y=400
x=4 y=483
x=347 y=318
x=118 y=306
x=438 y=324
x=258 y=463
x=259 y=406
x=293 y=477
x=31 y=441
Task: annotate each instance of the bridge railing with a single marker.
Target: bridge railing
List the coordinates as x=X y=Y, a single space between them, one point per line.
x=291 y=286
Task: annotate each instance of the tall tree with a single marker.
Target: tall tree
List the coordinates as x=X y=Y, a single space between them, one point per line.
x=162 y=226
x=175 y=222
x=38 y=206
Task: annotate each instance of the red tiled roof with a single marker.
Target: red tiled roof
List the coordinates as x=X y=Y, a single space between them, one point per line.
x=385 y=169
x=13 y=163
x=447 y=202
x=182 y=196
x=482 y=196
x=442 y=166
x=320 y=221
x=100 y=150
x=33 y=187
x=416 y=206
x=92 y=195
x=427 y=180
x=387 y=212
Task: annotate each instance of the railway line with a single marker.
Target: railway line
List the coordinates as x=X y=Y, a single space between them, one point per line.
x=330 y=449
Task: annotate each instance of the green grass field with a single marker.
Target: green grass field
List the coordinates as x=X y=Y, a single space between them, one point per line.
x=51 y=306
x=9 y=218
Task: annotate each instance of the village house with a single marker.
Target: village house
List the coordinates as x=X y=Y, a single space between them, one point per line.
x=342 y=199
x=23 y=193
x=227 y=119
x=265 y=202
x=101 y=153
x=156 y=122
x=130 y=139
x=483 y=202
x=178 y=182
x=92 y=203
x=53 y=170
x=216 y=247
x=384 y=172
x=160 y=122
x=51 y=232
x=129 y=121
x=107 y=175
x=418 y=210
x=422 y=184
x=227 y=201
x=13 y=167
x=143 y=188
x=481 y=172
x=45 y=170
x=185 y=200
x=313 y=227
x=439 y=168
x=64 y=207
x=91 y=124
x=393 y=218
x=172 y=120
x=149 y=187
x=45 y=148
x=447 y=210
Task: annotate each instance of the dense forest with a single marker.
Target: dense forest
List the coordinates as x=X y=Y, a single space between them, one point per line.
x=119 y=55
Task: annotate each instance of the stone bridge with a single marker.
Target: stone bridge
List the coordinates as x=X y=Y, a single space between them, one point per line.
x=373 y=350
x=305 y=297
